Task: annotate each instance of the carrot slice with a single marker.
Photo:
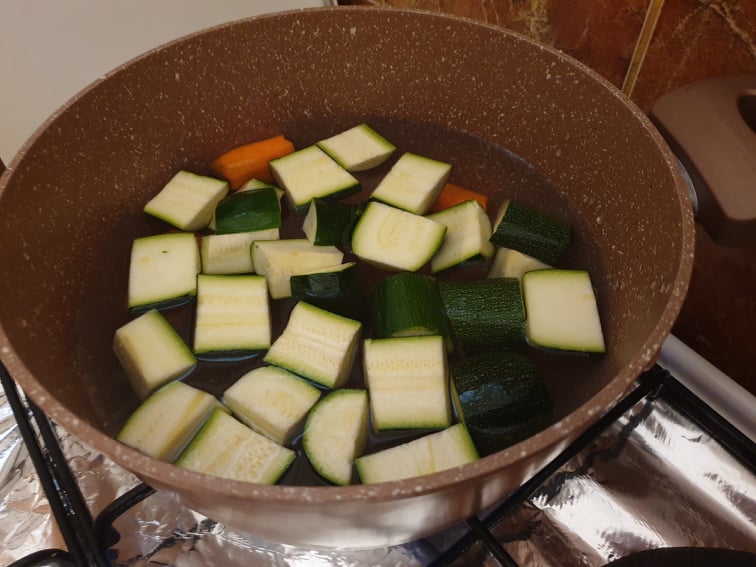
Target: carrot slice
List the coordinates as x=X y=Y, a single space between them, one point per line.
x=454 y=194
x=251 y=160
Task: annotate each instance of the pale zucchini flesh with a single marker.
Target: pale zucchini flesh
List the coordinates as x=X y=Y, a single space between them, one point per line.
x=336 y=432
x=188 y=200
x=316 y=344
x=165 y=422
x=227 y=448
x=163 y=270
x=468 y=230
x=408 y=382
x=413 y=183
x=232 y=253
x=394 y=239
x=272 y=401
x=232 y=315
x=508 y=263
x=561 y=311
x=151 y=352
x=451 y=447
x=358 y=148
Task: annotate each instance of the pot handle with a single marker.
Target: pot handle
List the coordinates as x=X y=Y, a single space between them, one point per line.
x=711 y=127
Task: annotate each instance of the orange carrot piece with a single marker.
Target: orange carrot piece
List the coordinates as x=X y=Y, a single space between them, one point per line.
x=454 y=194
x=251 y=160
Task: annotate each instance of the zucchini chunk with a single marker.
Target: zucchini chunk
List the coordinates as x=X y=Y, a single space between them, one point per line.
x=337 y=289
x=562 y=313
x=316 y=344
x=501 y=398
x=248 y=210
x=227 y=448
x=358 y=148
x=330 y=223
x=508 y=263
x=309 y=173
x=394 y=239
x=413 y=183
x=408 y=304
x=336 y=433
x=271 y=401
x=485 y=314
x=278 y=260
x=151 y=352
x=408 y=382
x=468 y=229
x=163 y=271
x=164 y=423
x=530 y=232
x=451 y=447
x=232 y=316
x=187 y=201
x=224 y=254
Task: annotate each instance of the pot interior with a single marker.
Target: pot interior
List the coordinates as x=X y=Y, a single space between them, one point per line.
x=515 y=119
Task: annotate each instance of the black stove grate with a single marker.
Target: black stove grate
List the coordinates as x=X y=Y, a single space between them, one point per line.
x=89 y=540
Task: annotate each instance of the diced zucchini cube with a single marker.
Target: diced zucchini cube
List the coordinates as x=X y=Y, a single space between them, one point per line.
x=151 y=352
x=408 y=381
x=358 y=148
x=163 y=270
x=165 y=422
x=272 y=401
x=232 y=316
x=227 y=448
x=413 y=183
x=316 y=344
x=508 y=263
x=468 y=229
x=248 y=210
x=309 y=173
x=188 y=200
x=231 y=253
x=561 y=311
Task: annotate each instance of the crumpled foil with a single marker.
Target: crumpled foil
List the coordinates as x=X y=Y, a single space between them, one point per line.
x=653 y=479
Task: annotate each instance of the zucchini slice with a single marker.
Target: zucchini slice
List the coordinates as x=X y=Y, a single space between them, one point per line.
x=151 y=352
x=232 y=316
x=394 y=239
x=337 y=289
x=248 y=210
x=434 y=452
x=187 y=201
x=508 y=263
x=336 y=433
x=408 y=381
x=468 y=230
x=309 y=173
x=271 y=401
x=408 y=304
x=562 y=313
x=163 y=271
x=330 y=223
x=485 y=314
x=501 y=398
x=164 y=423
x=530 y=232
x=224 y=254
x=316 y=344
x=358 y=148
x=227 y=448
x=413 y=183
x=278 y=260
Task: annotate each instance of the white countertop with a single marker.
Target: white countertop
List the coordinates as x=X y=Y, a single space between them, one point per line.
x=51 y=49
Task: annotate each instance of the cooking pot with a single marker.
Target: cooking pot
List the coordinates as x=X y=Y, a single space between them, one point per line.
x=514 y=117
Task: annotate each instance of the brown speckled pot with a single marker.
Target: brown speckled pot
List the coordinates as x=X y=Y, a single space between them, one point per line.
x=451 y=88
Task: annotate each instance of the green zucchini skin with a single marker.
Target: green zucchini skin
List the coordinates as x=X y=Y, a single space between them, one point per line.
x=531 y=232
x=334 y=222
x=246 y=211
x=338 y=291
x=501 y=398
x=407 y=304
x=485 y=314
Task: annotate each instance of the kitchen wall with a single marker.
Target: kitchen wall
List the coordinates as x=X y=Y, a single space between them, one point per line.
x=648 y=48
